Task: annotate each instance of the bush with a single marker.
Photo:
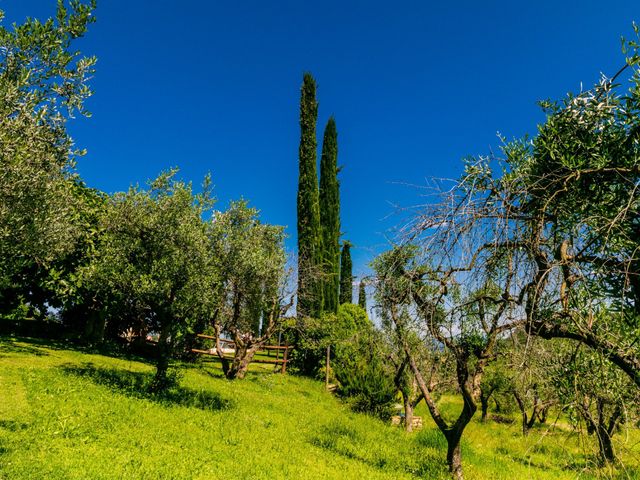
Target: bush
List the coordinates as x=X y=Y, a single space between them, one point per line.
x=314 y=335
x=364 y=378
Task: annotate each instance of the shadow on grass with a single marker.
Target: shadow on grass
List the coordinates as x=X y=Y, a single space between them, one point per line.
x=12 y=425
x=53 y=344
x=346 y=441
x=213 y=368
x=10 y=346
x=137 y=385
x=36 y=346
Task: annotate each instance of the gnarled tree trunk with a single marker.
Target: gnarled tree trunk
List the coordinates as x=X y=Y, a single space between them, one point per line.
x=604 y=429
x=527 y=421
x=243 y=357
x=607 y=455
x=454 y=457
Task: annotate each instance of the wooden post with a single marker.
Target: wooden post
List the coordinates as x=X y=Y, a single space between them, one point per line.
x=327 y=366
x=284 y=360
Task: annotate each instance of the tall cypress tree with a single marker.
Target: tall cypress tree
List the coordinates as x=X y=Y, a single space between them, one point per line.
x=330 y=217
x=309 y=236
x=346 y=275
x=362 y=295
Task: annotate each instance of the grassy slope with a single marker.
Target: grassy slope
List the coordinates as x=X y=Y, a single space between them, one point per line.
x=69 y=414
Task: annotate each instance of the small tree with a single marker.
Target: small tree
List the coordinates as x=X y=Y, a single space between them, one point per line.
x=466 y=322
x=250 y=260
x=154 y=256
x=403 y=377
x=495 y=381
x=530 y=382
x=595 y=392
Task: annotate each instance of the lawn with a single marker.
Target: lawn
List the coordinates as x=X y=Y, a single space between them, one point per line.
x=73 y=414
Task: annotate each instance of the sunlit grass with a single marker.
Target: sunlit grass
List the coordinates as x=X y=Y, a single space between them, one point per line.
x=71 y=414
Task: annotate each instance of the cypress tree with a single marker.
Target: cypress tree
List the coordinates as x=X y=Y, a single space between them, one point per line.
x=330 y=217
x=362 y=295
x=346 y=275
x=309 y=236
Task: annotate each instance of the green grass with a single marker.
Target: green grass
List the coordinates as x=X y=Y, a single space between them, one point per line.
x=70 y=414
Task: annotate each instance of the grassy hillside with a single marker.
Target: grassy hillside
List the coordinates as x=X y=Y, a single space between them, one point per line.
x=70 y=414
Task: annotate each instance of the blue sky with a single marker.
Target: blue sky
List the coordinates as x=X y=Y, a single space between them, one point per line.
x=414 y=86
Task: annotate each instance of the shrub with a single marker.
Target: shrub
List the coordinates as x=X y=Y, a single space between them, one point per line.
x=364 y=378
x=334 y=330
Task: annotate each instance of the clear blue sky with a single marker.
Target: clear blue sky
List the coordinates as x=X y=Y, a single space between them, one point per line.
x=414 y=86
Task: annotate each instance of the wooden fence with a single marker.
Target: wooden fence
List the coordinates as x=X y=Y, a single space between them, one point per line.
x=280 y=358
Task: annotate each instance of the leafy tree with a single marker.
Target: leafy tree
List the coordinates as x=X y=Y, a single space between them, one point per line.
x=43 y=82
x=80 y=307
x=594 y=391
x=330 y=217
x=346 y=274
x=575 y=186
x=250 y=260
x=310 y=284
x=396 y=357
x=154 y=260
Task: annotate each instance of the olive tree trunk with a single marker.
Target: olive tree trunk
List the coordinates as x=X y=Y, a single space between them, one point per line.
x=454 y=457
x=408 y=412
x=160 y=381
x=243 y=357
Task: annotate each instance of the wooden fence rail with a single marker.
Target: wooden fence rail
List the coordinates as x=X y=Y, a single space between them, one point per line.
x=224 y=340
x=268 y=348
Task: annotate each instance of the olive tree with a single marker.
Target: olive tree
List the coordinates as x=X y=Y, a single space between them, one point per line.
x=421 y=293
x=43 y=83
x=530 y=380
x=565 y=204
x=250 y=297
x=496 y=382
x=154 y=260
x=595 y=392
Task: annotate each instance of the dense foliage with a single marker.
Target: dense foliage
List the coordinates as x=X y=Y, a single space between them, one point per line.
x=154 y=263
x=42 y=83
x=309 y=235
x=364 y=378
x=249 y=297
x=148 y=264
x=330 y=217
